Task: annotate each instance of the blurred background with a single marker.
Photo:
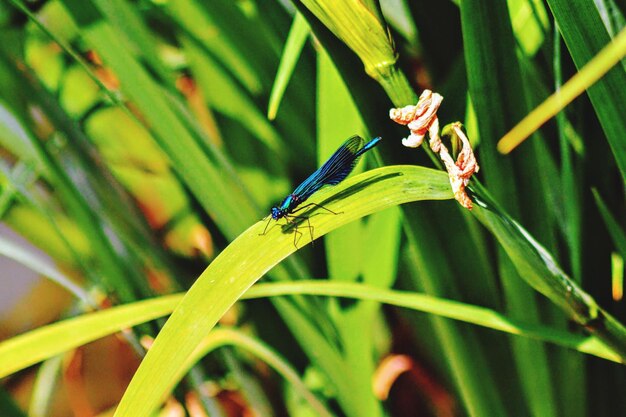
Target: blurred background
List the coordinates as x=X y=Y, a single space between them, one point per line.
x=139 y=138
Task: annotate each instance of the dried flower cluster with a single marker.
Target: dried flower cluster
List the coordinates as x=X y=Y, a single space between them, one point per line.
x=422 y=118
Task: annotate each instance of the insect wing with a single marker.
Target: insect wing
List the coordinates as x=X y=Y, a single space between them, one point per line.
x=334 y=170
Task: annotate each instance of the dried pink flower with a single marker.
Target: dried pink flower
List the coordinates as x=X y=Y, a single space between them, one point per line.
x=419 y=118
x=422 y=118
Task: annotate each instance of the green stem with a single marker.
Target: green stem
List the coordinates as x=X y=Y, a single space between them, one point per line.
x=395 y=84
x=400 y=92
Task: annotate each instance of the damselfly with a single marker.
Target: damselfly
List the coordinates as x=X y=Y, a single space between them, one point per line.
x=332 y=172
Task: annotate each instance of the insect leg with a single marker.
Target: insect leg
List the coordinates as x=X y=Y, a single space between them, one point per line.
x=266 y=225
x=289 y=220
x=309 y=226
x=297 y=234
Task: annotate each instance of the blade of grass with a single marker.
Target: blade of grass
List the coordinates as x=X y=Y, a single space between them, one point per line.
x=44 y=387
x=45 y=342
x=615 y=230
x=230 y=274
x=465 y=352
x=224 y=336
x=585 y=78
x=594 y=53
x=250 y=256
x=569 y=175
x=337 y=119
x=489 y=47
x=440 y=307
x=26 y=258
x=223 y=200
x=203 y=28
x=296 y=40
x=381 y=244
x=539 y=269
x=48 y=341
x=129 y=22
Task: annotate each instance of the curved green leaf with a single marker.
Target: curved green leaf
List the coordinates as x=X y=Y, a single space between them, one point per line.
x=440 y=307
x=45 y=342
x=540 y=270
x=252 y=255
x=27 y=349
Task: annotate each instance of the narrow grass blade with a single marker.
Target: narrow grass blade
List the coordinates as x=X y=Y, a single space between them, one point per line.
x=296 y=40
x=588 y=75
x=127 y=19
x=489 y=47
x=224 y=336
x=45 y=342
x=573 y=396
x=194 y=19
x=220 y=196
x=337 y=119
x=615 y=230
x=539 y=269
x=13 y=251
x=592 y=48
x=441 y=307
x=45 y=385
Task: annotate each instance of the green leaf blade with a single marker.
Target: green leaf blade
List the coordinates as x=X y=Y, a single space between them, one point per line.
x=249 y=257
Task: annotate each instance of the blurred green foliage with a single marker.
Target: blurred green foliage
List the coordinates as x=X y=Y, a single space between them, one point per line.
x=135 y=148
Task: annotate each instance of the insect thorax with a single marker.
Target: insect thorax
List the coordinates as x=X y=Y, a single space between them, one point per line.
x=289 y=203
